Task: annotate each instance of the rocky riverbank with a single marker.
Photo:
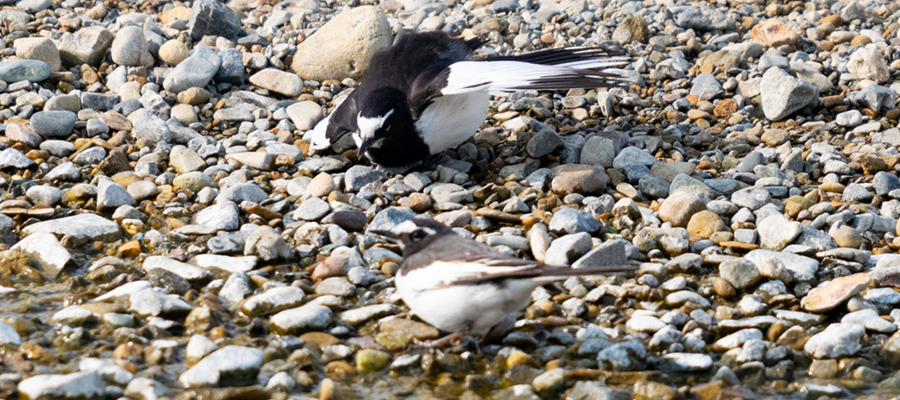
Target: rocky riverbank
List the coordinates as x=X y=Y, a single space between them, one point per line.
x=168 y=233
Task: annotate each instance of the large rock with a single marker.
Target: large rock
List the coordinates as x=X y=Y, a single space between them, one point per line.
x=343 y=47
x=86 y=46
x=213 y=18
x=46 y=251
x=38 y=48
x=88 y=226
x=782 y=94
x=868 y=63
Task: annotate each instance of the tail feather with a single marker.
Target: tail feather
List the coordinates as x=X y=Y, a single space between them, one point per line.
x=504 y=76
x=553 y=273
x=563 y=56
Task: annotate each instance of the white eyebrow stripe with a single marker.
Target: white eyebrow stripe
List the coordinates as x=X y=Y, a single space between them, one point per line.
x=405 y=227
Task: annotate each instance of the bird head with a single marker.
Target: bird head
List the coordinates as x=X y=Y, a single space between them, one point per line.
x=383 y=110
x=415 y=234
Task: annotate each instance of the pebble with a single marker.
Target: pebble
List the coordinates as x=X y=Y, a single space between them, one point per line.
x=171 y=138
x=835 y=292
x=195 y=71
x=24 y=70
x=72 y=386
x=236 y=364
x=837 y=340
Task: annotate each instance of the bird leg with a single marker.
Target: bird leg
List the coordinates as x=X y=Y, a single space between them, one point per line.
x=433 y=344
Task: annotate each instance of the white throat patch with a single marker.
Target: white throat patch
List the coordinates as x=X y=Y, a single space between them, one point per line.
x=367 y=127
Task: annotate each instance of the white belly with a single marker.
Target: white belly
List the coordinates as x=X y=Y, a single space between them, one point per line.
x=450 y=120
x=472 y=308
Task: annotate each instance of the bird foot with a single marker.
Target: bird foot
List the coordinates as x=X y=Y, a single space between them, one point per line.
x=434 y=344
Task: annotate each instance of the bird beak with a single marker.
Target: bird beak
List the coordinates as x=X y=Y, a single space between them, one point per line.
x=363 y=148
x=385 y=233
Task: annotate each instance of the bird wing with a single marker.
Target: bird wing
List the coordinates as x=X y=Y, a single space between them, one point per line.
x=478 y=269
x=341 y=121
x=549 y=69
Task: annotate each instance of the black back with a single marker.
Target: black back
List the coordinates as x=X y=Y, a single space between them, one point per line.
x=397 y=67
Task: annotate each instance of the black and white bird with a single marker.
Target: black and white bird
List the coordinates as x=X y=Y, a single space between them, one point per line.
x=461 y=286
x=425 y=94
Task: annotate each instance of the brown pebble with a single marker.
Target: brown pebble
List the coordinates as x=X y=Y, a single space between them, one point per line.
x=723 y=288
x=129 y=352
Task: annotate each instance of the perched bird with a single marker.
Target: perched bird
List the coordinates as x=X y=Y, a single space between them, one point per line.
x=462 y=286
x=424 y=94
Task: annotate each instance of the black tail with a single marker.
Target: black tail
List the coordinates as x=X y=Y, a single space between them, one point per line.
x=561 y=56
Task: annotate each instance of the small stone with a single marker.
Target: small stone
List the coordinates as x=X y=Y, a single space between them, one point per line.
x=87 y=45
x=305 y=114
x=740 y=273
x=278 y=81
x=704 y=224
x=543 y=143
x=273 y=301
x=773 y=33
x=111 y=195
x=568 y=248
x=570 y=220
x=834 y=293
x=838 y=340
x=212 y=18
x=680 y=206
x=776 y=232
x=235 y=365
x=53 y=123
x=174 y=51
x=575 y=178
x=185 y=160
x=268 y=245
x=195 y=71
x=295 y=321
x=371 y=360
x=46 y=252
x=130 y=48
x=782 y=94
x=868 y=63
x=24 y=70
x=78 y=385
x=632 y=28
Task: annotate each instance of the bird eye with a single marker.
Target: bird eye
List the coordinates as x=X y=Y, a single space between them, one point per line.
x=417 y=235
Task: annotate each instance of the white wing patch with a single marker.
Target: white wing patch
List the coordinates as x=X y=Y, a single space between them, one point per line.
x=442 y=274
x=319 y=140
x=450 y=120
x=503 y=77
